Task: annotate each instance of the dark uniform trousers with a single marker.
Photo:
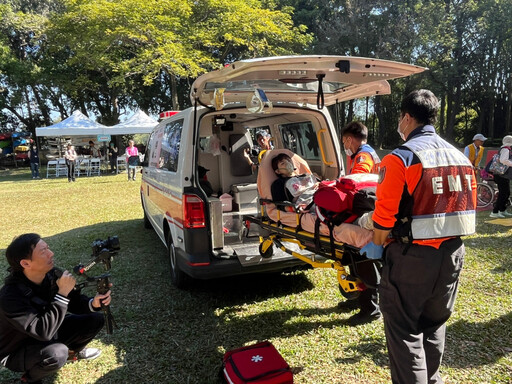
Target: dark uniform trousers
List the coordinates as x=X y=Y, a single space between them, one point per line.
x=40 y=359
x=417 y=296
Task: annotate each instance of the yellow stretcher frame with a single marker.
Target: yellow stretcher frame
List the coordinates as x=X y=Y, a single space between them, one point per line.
x=342 y=258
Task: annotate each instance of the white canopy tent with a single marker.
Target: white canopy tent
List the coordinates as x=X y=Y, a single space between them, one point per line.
x=139 y=122
x=75 y=125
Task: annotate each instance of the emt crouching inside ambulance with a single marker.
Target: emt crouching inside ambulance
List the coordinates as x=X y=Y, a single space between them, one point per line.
x=361 y=158
x=425 y=203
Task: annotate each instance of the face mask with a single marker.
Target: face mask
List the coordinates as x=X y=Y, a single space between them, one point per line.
x=402 y=136
x=34 y=147
x=348 y=151
x=289 y=168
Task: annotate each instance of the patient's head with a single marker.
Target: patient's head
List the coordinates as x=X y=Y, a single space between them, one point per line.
x=282 y=165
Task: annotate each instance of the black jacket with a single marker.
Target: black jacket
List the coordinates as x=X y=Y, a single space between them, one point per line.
x=31 y=312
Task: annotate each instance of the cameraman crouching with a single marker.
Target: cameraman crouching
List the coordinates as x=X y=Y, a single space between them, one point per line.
x=37 y=335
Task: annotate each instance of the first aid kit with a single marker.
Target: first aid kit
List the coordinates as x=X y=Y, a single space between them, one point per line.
x=259 y=363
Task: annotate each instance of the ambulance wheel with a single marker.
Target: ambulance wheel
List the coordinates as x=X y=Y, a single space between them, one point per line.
x=178 y=277
x=268 y=253
x=147 y=223
x=349 y=295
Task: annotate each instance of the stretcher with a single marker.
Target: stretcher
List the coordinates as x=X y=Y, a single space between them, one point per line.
x=318 y=245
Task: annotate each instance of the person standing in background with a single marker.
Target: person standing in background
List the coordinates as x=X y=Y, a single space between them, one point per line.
x=475 y=151
x=93 y=151
x=132 y=159
x=112 y=153
x=502 y=181
x=33 y=155
x=70 y=157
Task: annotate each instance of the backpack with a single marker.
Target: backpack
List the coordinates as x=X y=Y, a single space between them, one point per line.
x=344 y=200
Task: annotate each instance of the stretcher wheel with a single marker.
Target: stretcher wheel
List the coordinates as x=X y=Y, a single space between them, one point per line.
x=266 y=250
x=349 y=295
x=348 y=285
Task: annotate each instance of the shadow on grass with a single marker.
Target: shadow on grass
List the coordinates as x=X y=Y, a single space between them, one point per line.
x=476 y=344
x=165 y=334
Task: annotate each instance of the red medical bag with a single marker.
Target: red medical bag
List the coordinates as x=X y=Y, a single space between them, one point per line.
x=259 y=363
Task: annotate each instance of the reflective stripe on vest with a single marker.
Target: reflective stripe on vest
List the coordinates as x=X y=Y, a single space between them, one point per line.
x=443 y=200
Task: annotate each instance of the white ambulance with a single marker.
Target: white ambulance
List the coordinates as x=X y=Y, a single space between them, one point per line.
x=201 y=222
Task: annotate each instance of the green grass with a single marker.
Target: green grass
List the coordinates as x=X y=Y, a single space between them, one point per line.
x=166 y=335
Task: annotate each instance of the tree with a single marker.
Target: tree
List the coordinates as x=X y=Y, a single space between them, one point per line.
x=118 y=48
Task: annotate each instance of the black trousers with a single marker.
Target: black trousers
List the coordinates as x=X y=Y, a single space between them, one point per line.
x=71 y=169
x=40 y=359
x=503 y=193
x=369 y=272
x=417 y=295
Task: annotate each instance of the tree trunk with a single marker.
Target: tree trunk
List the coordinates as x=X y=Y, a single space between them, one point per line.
x=174 y=93
x=382 y=124
x=442 y=115
x=508 y=111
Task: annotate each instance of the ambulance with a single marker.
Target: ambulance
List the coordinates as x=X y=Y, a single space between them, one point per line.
x=198 y=177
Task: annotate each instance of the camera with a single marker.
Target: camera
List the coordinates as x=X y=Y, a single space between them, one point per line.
x=110 y=245
x=102 y=252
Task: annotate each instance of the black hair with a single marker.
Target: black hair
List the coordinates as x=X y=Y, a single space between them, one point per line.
x=91 y=142
x=355 y=129
x=278 y=158
x=421 y=105
x=21 y=248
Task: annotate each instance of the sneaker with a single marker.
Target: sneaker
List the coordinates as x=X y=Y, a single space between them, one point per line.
x=497 y=215
x=506 y=214
x=348 y=305
x=363 y=318
x=84 y=354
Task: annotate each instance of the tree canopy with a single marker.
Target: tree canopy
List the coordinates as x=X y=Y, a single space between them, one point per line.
x=109 y=56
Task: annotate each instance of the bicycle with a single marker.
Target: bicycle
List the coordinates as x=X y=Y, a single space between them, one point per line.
x=485 y=193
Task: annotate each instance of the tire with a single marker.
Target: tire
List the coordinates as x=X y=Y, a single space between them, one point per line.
x=268 y=253
x=147 y=223
x=484 y=195
x=178 y=277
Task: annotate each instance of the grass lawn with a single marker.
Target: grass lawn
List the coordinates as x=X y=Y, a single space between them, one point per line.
x=166 y=335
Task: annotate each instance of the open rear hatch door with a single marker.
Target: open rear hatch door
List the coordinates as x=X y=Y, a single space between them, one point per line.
x=316 y=80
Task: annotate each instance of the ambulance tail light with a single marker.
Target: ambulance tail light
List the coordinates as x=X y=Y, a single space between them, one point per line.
x=193 y=212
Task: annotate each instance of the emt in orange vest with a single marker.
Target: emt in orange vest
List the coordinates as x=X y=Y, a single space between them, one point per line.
x=474 y=152
x=361 y=158
x=426 y=200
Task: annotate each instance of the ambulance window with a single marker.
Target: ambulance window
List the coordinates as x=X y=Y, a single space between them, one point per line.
x=301 y=139
x=151 y=154
x=170 y=150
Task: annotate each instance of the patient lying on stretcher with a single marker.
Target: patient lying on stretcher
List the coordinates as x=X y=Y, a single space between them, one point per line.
x=344 y=233
x=289 y=186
